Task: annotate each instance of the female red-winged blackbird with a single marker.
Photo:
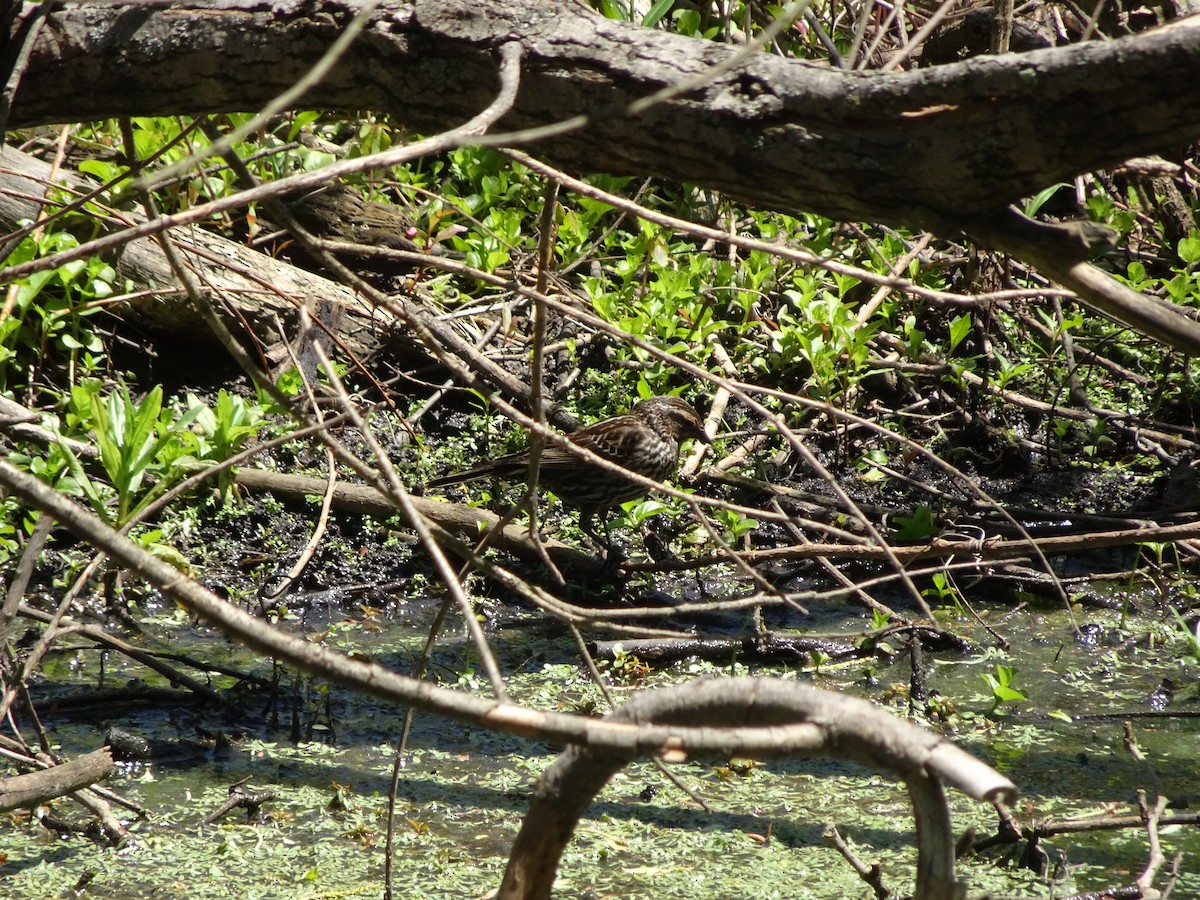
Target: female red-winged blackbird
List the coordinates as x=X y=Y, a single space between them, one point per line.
x=645 y=440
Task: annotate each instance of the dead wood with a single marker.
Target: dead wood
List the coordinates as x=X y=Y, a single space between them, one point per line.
x=462 y=520
x=947 y=148
x=985 y=551
x=928 y=148
x=757 y=648
x=55 y=781
x=834 y=725
x=22 y=422
x=265 y=291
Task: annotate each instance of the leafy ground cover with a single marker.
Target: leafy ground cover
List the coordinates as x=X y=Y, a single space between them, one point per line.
x=865 y=387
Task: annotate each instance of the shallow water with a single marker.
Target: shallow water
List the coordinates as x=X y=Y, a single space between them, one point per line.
x=463 y=791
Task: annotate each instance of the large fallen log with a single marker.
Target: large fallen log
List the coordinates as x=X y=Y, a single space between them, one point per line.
x=266 y=292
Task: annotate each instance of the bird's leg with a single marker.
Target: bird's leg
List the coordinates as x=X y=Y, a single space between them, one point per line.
x=618 y=551
x=587 y=517
x=613 y=553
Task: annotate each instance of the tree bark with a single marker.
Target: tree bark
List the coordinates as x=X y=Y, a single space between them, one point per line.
x=458 y=519
x=948 y=149
x=268 y=290
x=931 y=148
x=834 y=726
x=46 y=784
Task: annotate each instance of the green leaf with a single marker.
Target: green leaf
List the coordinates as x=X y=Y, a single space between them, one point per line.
x=687 y=21
x=613 y=9
x=917 y=527
x=960 y=327
x=657 y=11
x=1007 y=694
x=170 y=556
x=301 y=120
x=102 y=425
x=1189 y=248
x=1039 y=199
x=105 y=171
x=141 y=424
x=89 y=488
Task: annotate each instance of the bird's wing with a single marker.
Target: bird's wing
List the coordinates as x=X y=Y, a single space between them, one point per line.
x=620 y=438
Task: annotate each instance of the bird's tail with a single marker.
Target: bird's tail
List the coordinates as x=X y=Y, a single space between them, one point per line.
x=515 y=464
x=459 y=477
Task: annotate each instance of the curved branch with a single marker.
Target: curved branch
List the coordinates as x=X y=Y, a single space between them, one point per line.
x=833 y=725
x=1061 y=252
